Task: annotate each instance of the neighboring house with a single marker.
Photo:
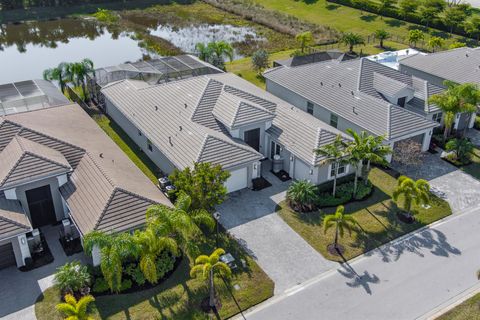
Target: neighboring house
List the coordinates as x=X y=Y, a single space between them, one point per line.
x=56 y=163
x=460 y=65
x=362 y=95
x=222 y=119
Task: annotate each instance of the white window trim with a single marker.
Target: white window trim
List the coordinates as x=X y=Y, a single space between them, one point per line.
x=330 y=177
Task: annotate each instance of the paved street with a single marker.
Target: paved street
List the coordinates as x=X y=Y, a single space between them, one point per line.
x=397 y=281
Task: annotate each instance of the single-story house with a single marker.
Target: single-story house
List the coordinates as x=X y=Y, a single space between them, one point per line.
x=362 y=95
x=461 y=65
x=222 y=119
x=57 y=164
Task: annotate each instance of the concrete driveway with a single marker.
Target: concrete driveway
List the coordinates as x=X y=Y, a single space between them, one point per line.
x=250 y=217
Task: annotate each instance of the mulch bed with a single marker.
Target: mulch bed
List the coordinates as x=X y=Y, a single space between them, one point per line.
x=260 y=183
x=405 y=218
x=282 y=175
x=335 y=251
x=39 y=259
x=71 y=247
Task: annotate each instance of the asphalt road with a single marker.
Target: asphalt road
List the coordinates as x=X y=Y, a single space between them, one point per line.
x=403 y=280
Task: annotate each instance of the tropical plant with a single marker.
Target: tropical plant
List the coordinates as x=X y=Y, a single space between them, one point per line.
x=78 y=73
x=72 y=277
x=448 y=102
x=417 y=192
x=462 y=149
x=456 y=45
x=469 y=98
x=302 y=195
x=381 y=35
x=435 y=43
x=414 y=36
x=209 y=267
x=205 y=184
x=114 y=249
x=304 y=39
x=376 y=152
x=75 y=310
x=59 y=73
x=180 y=223
x=356 y=151
x=351 y=40
x=472 y=27
x=341 y=222
x=260 y=60
x=407 y=7
x=385 y=5
x=215 y=53
x=333 y=154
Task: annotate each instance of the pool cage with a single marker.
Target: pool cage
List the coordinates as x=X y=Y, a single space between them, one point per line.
x=152 y=71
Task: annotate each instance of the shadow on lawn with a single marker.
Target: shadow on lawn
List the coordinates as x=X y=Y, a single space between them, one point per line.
x=369 y=17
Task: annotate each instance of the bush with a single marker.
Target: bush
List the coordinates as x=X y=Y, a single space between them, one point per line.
x=327 y=199
x=126 y=284
x=363 y=190
x=72 y=277
x=165 y=264
x=100 y=285
x=134 y=272
x=302 y=196
x=344 y=194
x=461 y=149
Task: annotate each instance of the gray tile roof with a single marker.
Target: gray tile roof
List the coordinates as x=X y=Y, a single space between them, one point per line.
x=347 y=89
x=13 y=220
x=388 y=86
x=24 y=161
x=460 y=65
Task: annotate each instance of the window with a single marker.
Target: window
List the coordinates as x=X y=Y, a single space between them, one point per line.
x=333 y=120
x=309 y=107
x=149 y=145
x=342 y=170
x=274 y=149
x=139 y=133
x=401 y=101
x=437 y=117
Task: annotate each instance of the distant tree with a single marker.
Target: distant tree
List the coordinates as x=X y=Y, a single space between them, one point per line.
x=305 y=40
x=362 y=5
x=472 y=27
x=341 y=222
x=435 y=43
x=454 y=17
x=408 y=7
x=302 y=195
x=351 y=40
x=59 y=73
x=75 y=310
x=436 y=5
x=427 y=15
x=414 y=36
x=385 y=5
x=417 y=192
x=456 y=45
x=260 y=60
x=381 y=35
x=215 y=53
x=205 y=184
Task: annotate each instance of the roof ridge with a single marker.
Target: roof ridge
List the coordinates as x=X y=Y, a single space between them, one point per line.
x=209 y=83
x=232 y=143
x=389 y=121
x=46 y=159
x=18 y=138
x=426 y=106
x=100 y=169
x=237 y=111
x=204 y=143
x=50 y=137
x=15 y=222
x=2 y=182
x=317 y=142
x=104 y=210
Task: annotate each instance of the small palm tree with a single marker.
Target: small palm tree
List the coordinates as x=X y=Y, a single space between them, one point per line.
x=208 y=267
x=72 y=277
x=417 y=192
x=215 y=52
x=305 y=39
x=435 y=43
x=462 y=147
x=376 y=152
x=302 y=195
x=341 y=221
x=414 y=36
x=59 y=73
x=351 y=40
x=381 y=35
x=79 y=72
x=333 y=154
x=75 y=310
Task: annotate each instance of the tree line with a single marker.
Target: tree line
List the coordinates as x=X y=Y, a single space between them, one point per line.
x=25 y=4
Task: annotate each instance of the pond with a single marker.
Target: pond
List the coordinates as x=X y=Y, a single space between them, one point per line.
x=29 y=48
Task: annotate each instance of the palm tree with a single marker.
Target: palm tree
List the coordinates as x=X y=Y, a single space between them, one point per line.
x=357 y=151
x=180 y=223
x=381 y=35
x=215 y=52
x=79 y=72
x=414 y=36
x=341 y=221
x=376 y=152
x=417 y=192
x=435 y=43
x=462 y=147
x=334 y=154
x=58 y=73
x=75 y=310
x=208 y=267
x=351 y=40
x=203 y=51
x=302 y=195
x=469 y=98
x=150 y=247
x=448 y=102
x=114 y=250
x=305 y=39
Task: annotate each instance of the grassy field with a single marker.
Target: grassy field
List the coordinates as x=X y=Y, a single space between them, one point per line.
x=179 y=296
x=468 y=310
x=376 y=216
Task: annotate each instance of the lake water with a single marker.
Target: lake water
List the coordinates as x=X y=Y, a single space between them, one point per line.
x=28 y=49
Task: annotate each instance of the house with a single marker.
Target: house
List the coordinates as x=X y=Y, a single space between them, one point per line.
x=222 y=119
x=57 y=165
x=360 y=94
x=460 y=65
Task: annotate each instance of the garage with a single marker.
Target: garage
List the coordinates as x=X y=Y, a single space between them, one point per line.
x=302 y=171
x=7 y=256
x=238 y=180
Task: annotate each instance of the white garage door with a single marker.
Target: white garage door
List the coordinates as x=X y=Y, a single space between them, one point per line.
x=238 y=180
x=302 y=171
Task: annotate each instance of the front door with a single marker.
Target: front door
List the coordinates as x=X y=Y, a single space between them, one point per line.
x=252 y=138
x=40 y=204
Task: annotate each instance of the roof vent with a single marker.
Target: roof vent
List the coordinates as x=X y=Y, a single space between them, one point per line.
x=101 y=155
x=466 y=54
x=186 y=105
x=352 y=93
x=321 y=83
x=354 y=111
x=180 y=128
x=156 y=108
x=170 y=141
x=339 y=85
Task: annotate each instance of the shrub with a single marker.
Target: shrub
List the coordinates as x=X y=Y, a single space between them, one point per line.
x=260 y=60
x=100 y=285
x=363 y=191
x=72 y=277
x=126 y=284
x=133 y=270
x=344 y=194
x=461 y=148
x=327 y=200
x=302 y=196
x=165 y=263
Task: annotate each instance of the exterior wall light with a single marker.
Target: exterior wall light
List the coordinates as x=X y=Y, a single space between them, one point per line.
x=311 y=171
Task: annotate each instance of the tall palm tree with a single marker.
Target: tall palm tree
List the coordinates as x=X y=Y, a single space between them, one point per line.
x=75 y=310
x=215 y=52
x=335 y=155
x=58 y=73
x=114 y=250
x=150 y=247
x=417 y=192
x=357 y=151
x=469 y=98
x=351 y=40
x=448 y=102
x=179 y=222
x=376 y=152
x=341 y=221
x=208 y=267
x=305 y=39
x=79 y=72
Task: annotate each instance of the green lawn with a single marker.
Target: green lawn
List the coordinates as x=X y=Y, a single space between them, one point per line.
x=179 y=296
x=376 y=217
x=128 y=146
x=473 y=169
x=468 y=310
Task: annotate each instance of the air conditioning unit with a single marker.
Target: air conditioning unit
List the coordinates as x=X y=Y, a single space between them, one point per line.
x=67 y=227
